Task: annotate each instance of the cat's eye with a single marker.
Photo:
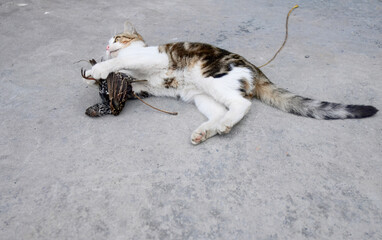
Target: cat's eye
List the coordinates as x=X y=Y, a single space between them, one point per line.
x=116 y=38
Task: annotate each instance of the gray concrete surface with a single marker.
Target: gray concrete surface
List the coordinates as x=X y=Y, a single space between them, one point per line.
x=137 y=176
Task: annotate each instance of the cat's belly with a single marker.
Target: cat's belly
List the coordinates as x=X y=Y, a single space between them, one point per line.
x=170 y=84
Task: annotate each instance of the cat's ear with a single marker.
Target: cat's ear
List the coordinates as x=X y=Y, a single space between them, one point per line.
x=129 y=28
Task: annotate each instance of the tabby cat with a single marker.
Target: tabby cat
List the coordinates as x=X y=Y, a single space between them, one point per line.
x=220 y=83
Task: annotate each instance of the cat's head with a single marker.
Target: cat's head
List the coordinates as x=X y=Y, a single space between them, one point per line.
x=129 y=38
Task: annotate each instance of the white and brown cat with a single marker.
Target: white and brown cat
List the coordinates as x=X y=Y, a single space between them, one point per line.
x=220 y=83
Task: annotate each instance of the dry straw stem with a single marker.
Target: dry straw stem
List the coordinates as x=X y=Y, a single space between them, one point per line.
x=286 y=37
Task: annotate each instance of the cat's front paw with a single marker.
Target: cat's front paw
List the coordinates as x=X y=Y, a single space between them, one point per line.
x=98 y=71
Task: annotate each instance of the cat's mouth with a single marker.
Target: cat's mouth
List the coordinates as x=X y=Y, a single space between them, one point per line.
x=112 y=53
x=116 y=50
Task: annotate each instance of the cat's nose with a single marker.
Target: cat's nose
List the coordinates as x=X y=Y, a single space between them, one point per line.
x=107 y=48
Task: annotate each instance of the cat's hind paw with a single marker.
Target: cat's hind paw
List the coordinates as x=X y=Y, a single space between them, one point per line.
x=224 y=129
x=198 y=137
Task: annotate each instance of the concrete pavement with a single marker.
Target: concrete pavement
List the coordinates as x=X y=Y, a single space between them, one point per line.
x=64 y=175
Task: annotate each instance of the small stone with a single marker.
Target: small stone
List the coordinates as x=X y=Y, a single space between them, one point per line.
x=307 y=56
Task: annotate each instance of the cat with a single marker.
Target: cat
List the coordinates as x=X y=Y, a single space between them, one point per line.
x=220 y=83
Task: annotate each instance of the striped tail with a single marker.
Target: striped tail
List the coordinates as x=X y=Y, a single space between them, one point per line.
x=284 y=100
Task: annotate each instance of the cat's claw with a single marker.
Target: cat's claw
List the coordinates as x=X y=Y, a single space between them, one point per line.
x=88 y=77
